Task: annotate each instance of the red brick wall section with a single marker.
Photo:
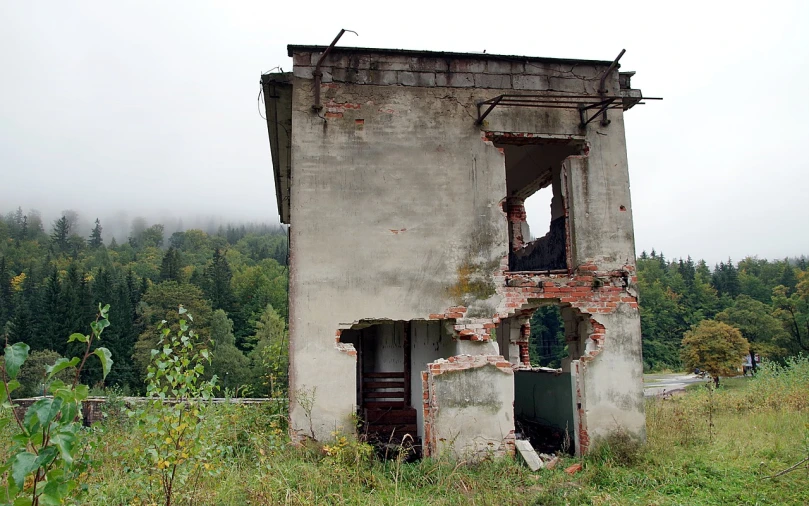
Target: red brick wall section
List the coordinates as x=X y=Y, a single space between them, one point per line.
x=588 y=290
x=525 y=336
x=516 y=217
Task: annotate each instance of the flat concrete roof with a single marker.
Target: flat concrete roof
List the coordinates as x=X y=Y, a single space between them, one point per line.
x=299 y=48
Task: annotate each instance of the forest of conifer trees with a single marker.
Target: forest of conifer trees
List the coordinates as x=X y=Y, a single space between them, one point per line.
x=234 y=278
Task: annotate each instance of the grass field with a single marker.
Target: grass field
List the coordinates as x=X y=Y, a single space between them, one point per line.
x=704 y=447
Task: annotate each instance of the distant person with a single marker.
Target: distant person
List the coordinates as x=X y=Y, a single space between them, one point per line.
x=747 y=366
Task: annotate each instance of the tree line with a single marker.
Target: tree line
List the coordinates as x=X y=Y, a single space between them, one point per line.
x=767 y=301
x=233 y=281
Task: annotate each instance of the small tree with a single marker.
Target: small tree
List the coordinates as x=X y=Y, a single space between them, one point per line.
x=177 y=452
x=95 y=236
x=270 y=354
x=714 y=347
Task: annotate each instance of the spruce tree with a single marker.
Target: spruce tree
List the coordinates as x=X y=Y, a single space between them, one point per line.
x=60 y=235
x=24 y=229
x=733 y=285
x=21 y=328
x=22 y=323
x=73 y=306
x=51 y=313
x=122 y=341
x=217 y=282
x=103 y=288
x=170 y=269
x=95 y=236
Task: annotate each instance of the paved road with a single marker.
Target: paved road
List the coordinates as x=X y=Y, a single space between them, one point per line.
x=656 y=384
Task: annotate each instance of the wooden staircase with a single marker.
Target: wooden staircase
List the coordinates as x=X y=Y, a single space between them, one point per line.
x=386 y=408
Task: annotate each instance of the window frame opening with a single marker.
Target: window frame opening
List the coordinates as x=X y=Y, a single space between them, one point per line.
x=532 y=164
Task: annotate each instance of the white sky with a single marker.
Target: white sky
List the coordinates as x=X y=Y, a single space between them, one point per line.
x=150 y=107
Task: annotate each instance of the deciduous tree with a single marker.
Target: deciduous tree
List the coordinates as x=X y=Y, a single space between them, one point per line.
x=714 y=347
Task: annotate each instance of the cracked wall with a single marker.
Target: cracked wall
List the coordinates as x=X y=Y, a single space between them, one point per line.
x=396 y=213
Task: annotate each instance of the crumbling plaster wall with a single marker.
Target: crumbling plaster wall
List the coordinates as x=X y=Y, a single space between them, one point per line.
x=468 y=409
x=396 y=213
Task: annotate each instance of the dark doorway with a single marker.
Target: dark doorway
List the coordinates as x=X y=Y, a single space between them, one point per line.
x=384 y=381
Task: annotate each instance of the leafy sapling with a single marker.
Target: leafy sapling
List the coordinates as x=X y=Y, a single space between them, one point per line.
x=176 y=451
x=44 y=462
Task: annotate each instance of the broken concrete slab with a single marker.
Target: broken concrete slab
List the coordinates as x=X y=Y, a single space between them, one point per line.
x=528 y=454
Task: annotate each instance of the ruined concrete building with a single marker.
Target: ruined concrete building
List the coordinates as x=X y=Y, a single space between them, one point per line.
x=413 y=276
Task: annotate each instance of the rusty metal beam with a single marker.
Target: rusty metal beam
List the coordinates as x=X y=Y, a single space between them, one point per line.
x=318 y=74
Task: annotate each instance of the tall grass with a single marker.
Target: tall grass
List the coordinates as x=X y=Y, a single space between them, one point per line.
x=703 y=448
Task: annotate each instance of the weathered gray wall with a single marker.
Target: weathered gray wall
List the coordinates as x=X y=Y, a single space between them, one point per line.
x=612 y=383
x=545 y=397
x=383 y=216
x=600 y=207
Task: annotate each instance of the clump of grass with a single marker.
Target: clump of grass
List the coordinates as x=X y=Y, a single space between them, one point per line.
x=618 y=448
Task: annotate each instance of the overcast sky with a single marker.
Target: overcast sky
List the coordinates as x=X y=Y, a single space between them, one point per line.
x=150 y=107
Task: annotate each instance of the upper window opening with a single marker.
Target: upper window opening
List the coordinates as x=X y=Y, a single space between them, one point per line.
x=529 y=169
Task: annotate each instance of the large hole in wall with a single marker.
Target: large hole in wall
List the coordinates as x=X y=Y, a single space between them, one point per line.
x=544 y=395
x=536 y=244
x=548 y=344
x=390 y=358
x=538 y=213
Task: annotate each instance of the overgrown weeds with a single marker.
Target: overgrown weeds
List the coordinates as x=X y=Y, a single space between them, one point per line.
x=684 y=461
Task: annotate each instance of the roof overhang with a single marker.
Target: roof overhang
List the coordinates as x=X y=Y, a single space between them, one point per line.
x=277 y=89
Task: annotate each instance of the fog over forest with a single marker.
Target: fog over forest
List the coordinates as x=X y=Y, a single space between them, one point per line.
x=121 y=224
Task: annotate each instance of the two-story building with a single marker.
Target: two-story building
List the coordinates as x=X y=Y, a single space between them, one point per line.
x=413 y=276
